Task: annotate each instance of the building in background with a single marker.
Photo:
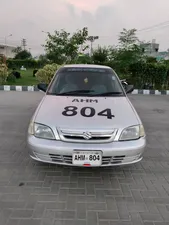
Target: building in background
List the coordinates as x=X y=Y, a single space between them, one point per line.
x=7 y=50
x=162 y=56
x=152 y=49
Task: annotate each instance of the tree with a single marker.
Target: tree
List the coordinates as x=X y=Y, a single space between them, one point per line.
x=21 y=54
x=43 y=59
x=128 y=38
x=100 y=55
x=24 y=54
x=63 y=47
x=150 y=59
x=17 y=50
x=129 y=50
x=83 y=59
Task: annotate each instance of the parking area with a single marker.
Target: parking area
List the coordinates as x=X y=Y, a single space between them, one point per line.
x=33 y=193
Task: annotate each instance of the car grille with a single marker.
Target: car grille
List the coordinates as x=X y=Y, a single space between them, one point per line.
x=106 y=160
x=61 y=158
x=82 y=136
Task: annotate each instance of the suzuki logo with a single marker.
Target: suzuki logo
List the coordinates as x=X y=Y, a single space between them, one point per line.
x=87 y=135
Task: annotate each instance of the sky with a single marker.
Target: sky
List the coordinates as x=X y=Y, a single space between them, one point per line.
x=104 y=18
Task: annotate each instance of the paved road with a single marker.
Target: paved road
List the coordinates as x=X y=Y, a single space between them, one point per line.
x=33 y=193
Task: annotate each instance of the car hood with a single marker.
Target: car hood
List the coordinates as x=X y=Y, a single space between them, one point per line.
x=51 y=110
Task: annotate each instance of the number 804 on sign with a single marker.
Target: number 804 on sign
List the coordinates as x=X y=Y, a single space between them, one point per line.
x=87 y=158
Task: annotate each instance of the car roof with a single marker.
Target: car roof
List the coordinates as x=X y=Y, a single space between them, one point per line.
x=86 y=66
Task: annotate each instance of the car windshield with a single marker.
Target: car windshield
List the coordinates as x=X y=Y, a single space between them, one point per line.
x=86 y=82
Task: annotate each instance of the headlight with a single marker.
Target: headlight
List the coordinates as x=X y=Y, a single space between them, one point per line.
x=132 y=133
x=31 y=128
x=41 y=131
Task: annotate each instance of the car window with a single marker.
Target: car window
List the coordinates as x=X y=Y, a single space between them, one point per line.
x=86 y=81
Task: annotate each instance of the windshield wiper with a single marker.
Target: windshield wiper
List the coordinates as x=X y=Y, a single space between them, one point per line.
x=75 y=92
x=113 y=93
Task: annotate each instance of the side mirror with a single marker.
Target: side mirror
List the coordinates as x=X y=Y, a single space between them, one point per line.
x=129 y=88
x=124 y=83
x=42 y=87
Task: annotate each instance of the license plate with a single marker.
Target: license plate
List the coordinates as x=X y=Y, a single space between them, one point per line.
x=87 y=158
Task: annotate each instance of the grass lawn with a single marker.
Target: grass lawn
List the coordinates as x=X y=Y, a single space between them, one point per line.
x=26 y=79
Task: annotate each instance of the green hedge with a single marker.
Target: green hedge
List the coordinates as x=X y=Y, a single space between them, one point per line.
x=46 y=74
x=28 y=63
x=153 y=73
x=3 y=73
x=142 y=72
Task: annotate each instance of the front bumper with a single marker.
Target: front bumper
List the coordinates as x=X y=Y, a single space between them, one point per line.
x=59 y=152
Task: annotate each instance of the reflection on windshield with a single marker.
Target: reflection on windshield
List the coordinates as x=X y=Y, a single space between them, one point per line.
x=75 y=92
x=86 y=83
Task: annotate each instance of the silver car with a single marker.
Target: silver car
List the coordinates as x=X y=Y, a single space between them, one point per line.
x=86 y=119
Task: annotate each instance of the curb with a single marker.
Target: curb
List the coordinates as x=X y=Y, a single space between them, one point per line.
x=150 y=92
x=34 y=88
x=18 y=88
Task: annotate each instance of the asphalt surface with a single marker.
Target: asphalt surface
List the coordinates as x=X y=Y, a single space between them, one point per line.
x=33 y=193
